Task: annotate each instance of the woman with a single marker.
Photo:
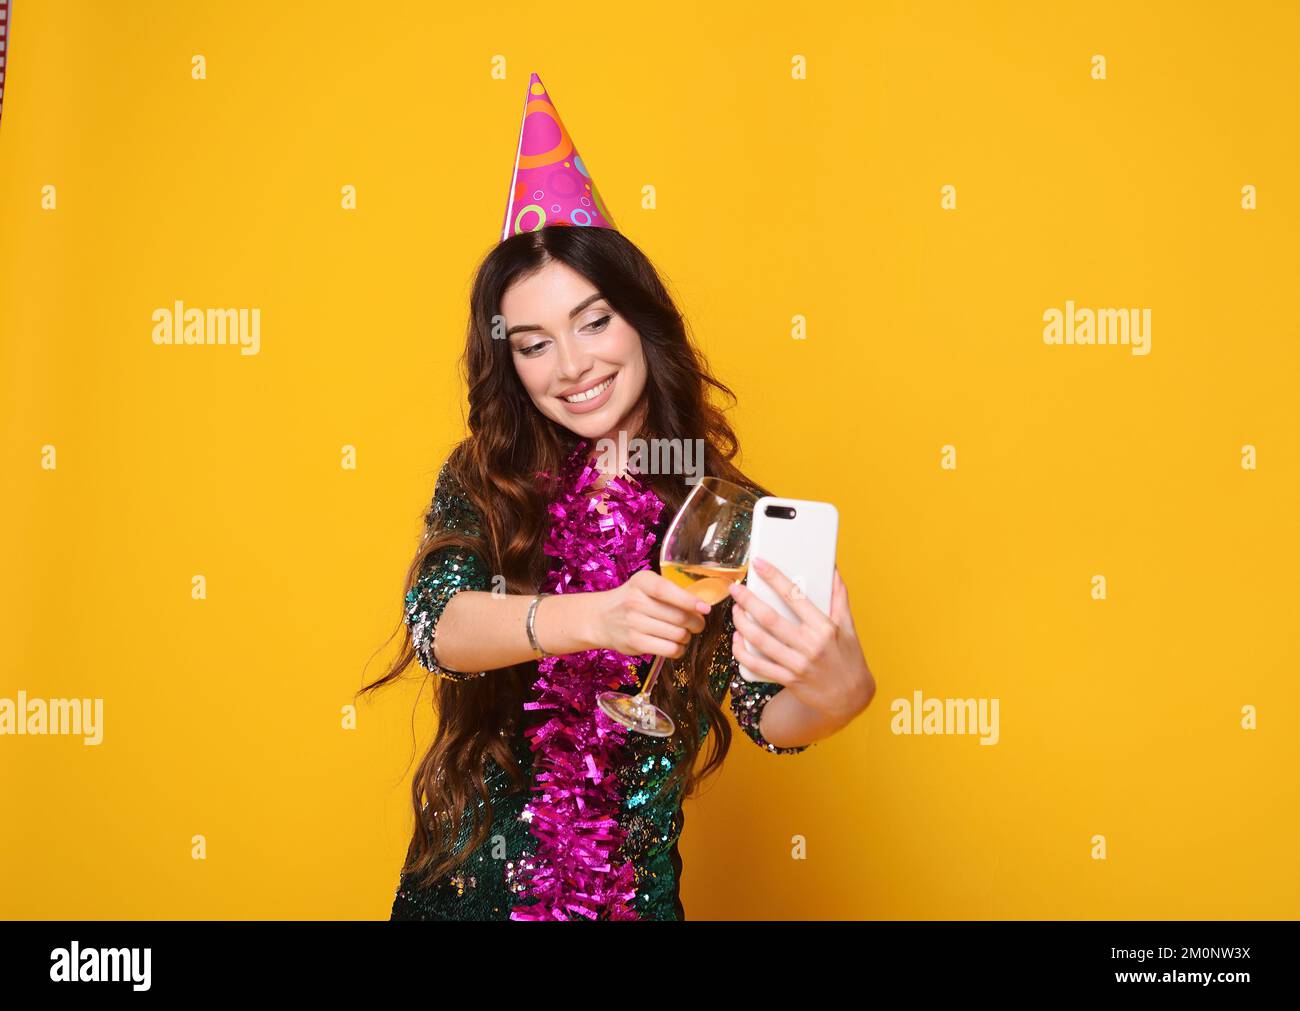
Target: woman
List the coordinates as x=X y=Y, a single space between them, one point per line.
x=581 y=306
x=573 y=339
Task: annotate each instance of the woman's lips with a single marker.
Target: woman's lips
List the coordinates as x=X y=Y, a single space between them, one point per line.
x=595 y=403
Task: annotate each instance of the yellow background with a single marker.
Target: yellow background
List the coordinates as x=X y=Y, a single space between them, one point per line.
x=776 y=197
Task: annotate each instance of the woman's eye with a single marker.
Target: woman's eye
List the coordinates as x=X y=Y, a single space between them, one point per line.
x=533 y=350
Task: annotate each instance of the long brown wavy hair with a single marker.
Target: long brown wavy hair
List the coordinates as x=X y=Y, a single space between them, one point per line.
x=509 y=442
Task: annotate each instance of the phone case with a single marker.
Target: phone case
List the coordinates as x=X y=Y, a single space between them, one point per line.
x=802 y=547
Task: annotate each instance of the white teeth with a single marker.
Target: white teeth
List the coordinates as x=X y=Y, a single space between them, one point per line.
x=595 y=391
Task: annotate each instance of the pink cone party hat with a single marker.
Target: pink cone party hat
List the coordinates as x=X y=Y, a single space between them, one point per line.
x=550 y=184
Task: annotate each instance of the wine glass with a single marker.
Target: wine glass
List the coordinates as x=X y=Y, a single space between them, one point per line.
x=705 y=550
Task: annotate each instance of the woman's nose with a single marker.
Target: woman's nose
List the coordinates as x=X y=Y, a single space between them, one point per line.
x=572 y=358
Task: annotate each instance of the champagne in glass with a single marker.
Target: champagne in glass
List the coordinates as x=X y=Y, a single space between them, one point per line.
x=708 y=582
x=705 y=550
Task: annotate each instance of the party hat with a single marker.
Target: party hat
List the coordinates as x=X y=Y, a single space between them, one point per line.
x=550 y=184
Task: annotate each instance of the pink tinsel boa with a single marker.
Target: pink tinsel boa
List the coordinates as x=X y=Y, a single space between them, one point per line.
x=574 y=811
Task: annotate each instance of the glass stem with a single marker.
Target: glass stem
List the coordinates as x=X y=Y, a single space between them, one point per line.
x=644 y=694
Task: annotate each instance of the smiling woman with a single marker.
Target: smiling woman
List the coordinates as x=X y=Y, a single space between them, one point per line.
x=536 y=586
x=596 y=350
x=582 y=366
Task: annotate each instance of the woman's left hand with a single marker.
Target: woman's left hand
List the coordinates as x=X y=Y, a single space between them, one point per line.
x=818 y=658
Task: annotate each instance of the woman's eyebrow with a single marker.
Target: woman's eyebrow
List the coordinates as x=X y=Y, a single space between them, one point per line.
x=520 y=327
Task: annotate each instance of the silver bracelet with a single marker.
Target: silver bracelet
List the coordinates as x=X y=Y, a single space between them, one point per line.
x=532 y=633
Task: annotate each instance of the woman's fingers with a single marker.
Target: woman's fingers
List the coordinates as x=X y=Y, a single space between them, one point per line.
x=661 y=588
x=672 y=615
x=790 y=657
x=643 y=643
x=794 y=597
x=757 y=664
x=774 y=623
x=840 y=613
x=668 y=630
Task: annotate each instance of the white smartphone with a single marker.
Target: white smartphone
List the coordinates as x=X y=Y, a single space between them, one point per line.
x=798 y=537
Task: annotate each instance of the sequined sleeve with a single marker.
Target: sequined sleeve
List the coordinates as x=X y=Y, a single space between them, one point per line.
x=444 y=574
x=748 y=698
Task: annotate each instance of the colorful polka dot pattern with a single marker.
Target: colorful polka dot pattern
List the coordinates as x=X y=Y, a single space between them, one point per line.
x=550 y=184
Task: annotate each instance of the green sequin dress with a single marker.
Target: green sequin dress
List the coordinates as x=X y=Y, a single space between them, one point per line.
x=484 y=886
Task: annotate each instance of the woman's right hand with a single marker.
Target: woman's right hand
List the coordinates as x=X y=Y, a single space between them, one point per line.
x=647 y=614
